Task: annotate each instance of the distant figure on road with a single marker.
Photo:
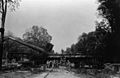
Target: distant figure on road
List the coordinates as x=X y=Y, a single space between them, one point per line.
x=48 y=64
x=68 y=65
x=53 y=63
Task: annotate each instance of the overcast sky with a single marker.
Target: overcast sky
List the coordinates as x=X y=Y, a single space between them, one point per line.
x=65 y=20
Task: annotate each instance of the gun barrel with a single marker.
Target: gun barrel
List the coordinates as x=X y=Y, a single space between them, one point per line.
x=28 y=45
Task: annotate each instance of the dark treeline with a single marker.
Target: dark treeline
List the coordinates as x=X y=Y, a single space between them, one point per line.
x=105 y=40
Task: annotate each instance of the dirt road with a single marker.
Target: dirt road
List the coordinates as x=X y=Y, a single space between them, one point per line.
x=57 y=73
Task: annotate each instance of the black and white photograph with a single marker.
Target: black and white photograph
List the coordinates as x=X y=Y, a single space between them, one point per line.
x=59 y=38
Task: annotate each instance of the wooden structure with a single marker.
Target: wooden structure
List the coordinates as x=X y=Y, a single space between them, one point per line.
x=79 y=60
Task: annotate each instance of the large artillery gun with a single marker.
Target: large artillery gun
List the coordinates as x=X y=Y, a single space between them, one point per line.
x=48 y=47
x=37 y=59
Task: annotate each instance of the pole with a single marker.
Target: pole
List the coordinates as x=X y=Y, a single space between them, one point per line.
x=1 y=46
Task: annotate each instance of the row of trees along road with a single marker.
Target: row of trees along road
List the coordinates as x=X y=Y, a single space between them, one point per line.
x=109 y=11
x=35 y=35
x=105 y=40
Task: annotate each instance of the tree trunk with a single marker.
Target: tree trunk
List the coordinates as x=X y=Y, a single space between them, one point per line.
x=4 y=11
x=1 y=48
